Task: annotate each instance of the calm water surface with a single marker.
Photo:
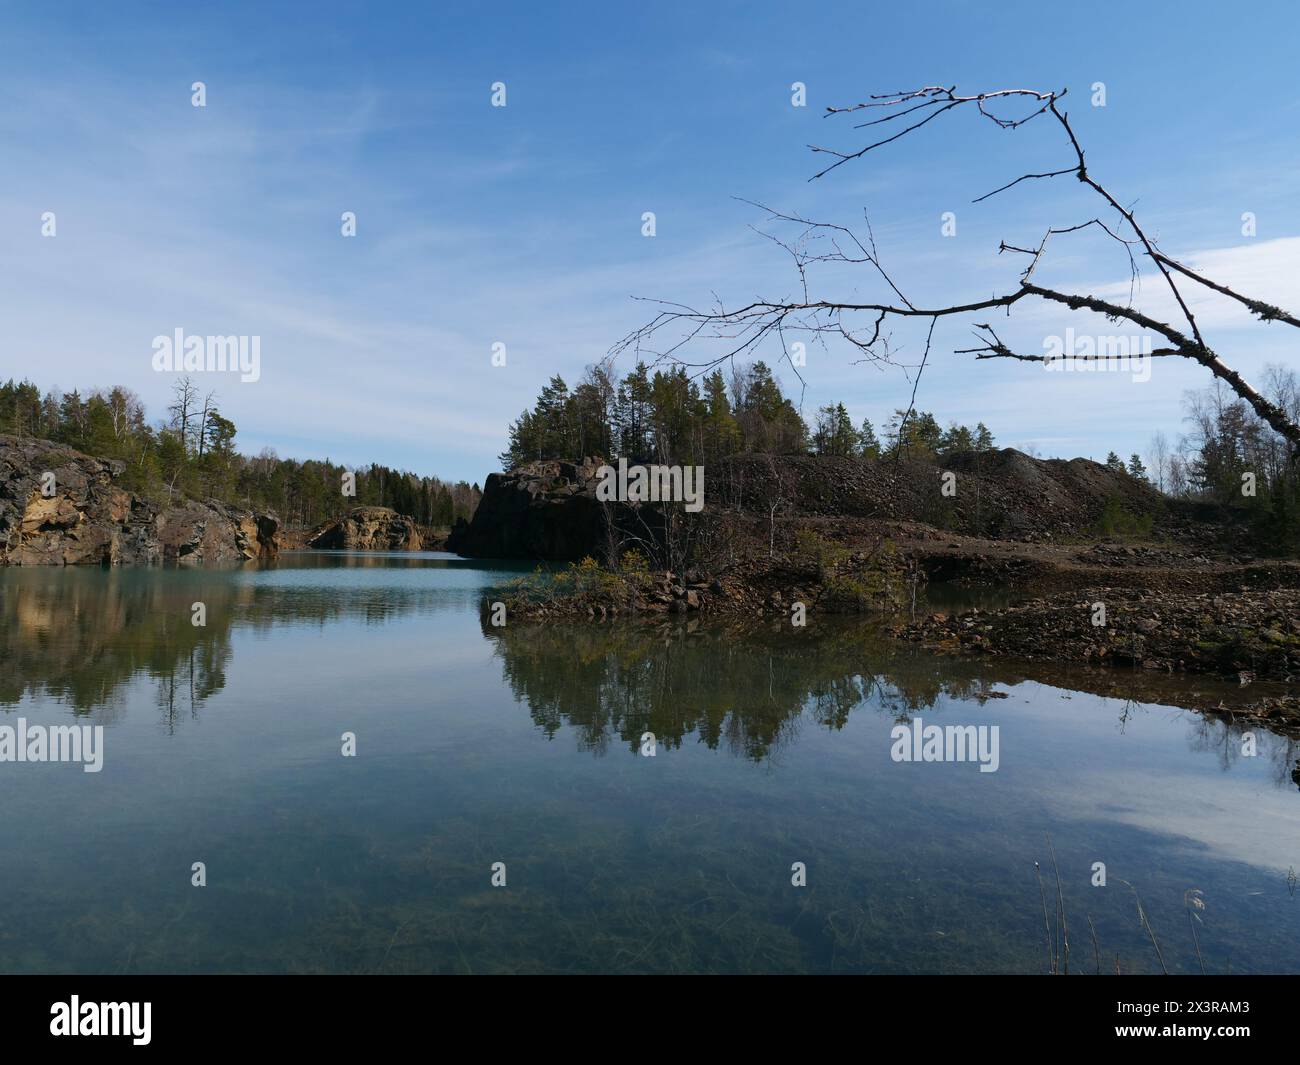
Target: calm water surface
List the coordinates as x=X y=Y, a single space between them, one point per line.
x=520 y=745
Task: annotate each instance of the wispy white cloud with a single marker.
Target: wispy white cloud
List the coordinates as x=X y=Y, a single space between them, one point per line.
x=520 y=227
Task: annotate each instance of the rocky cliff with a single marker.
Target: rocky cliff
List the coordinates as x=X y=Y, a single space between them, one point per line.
x=367 y=529
x=59 y=507
x=543 y=510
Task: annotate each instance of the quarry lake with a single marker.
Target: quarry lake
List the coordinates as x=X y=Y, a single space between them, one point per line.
x=523 y=745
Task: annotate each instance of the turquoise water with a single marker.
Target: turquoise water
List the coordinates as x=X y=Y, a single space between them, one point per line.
x=521 y=745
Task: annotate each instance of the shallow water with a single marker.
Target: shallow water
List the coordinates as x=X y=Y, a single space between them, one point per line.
x=521 y=745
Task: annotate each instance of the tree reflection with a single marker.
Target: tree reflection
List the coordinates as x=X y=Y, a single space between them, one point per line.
x=80 y=637
x=742 y=687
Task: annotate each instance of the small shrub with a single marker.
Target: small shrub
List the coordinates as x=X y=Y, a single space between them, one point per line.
x=871 y=583
x=582 y=583
x=1115 y=521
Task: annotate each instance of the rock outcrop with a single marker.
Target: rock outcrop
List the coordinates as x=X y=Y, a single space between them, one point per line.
x=543 y=510
x=216 y=532
x=59 y=507
x=367 y=529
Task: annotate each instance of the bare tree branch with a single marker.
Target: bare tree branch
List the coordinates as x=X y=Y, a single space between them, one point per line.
x=1266 y=312
x=741 y=330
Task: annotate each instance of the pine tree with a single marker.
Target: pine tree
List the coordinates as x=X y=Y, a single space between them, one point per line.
x=721 y=430
x=767 y=418
x=835 y=434
x=524 y=443
x=868 y=445
x=552 y=415
x=590 y=415
x=956 y=440
x=916 y=435
x=633 y=409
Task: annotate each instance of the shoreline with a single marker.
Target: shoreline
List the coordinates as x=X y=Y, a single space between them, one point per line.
x=1263 y=703
x=1167 y=610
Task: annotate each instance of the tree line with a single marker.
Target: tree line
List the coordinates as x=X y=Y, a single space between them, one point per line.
x=192 y=453
x=669 y=416
x=1231 y=456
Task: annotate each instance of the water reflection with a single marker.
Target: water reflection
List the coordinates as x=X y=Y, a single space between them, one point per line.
x=519 y=744
x=79 y=637
x=749 y=689
x=740 y=688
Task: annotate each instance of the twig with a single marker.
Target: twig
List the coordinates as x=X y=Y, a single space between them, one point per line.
x=1047 y=925
x=1060 y=905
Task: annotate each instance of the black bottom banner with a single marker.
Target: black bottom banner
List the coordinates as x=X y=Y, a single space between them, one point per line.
x=341 y=1014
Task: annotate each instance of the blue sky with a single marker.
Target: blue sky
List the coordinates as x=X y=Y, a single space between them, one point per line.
x=522 y=225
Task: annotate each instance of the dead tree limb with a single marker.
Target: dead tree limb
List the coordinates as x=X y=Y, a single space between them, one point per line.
x=743 y=329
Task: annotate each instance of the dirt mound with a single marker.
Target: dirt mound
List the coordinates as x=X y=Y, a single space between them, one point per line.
x=548 y=510
x=1001 y=494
